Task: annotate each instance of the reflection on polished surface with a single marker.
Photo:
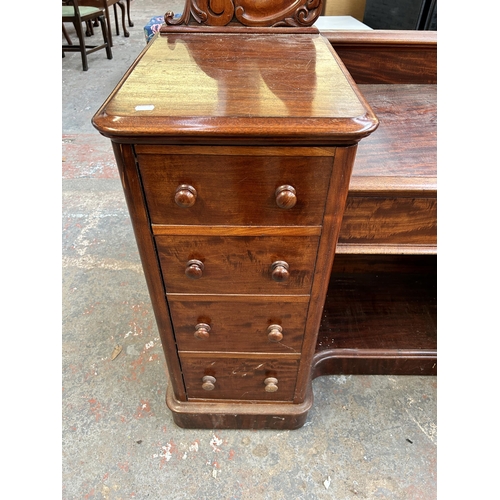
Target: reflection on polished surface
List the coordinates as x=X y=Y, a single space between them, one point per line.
x=227 y=75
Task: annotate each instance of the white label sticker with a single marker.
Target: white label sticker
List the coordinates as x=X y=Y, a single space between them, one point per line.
x=145 y=107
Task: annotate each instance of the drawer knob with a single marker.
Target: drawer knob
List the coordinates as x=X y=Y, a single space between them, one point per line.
x=194 y=269
x=279 y=271
x=202 y=331
x=208 y=383
x=274 y=333
x=271 y=384
x=185 y=196
x=286 y=196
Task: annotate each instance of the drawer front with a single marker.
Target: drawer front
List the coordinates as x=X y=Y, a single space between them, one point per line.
x=239 y=378
x=379 y=220
x=234 y=265
x=252 y=323
x=235 y=190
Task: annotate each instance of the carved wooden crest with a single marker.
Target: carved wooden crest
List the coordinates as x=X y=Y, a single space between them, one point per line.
x=250 y=13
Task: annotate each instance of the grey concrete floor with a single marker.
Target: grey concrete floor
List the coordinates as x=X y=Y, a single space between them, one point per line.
x=371 y=437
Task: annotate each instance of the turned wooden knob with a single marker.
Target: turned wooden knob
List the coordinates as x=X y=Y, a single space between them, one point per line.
x=279 y=271
x=274 y=333
x=271 y=384
x=208 y=383
x=194 y=269
x=286 y=196
x=185 y=196
x=202 y=331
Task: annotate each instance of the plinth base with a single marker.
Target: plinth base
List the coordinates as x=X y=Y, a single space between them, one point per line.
x=245 y=415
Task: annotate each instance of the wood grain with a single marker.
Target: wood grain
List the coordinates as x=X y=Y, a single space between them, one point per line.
x=235 y=415
x=238 y=325
x=234 y=189
x=387 y=56
x=380 y=317
x=374 y=362
x=380 y=311
x=392 y=200
x=400 y=185
x=200 y=230
x=241 y=87
x=237 y=264
x=337 y=194
x=260 y=111
x=138 y=213
x=201 y=150
x=247 y=13
x=240 y=378
x=405 y=143
x=385 y=249
x=389 y=221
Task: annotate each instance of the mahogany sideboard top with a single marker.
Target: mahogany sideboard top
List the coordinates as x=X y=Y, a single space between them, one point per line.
x=237 y=88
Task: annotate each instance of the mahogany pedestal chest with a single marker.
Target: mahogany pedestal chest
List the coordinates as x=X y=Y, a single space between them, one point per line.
x=235 y=151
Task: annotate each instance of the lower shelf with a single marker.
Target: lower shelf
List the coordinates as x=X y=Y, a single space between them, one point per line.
x=379 y=317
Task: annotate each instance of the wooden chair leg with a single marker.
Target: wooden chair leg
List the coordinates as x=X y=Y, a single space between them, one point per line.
x=89 y=30
x=66 y=36
x=108 y=25
x=130 y=23
x=116 y=20
x=105 y=36
x=83 y=50
x=122 y=8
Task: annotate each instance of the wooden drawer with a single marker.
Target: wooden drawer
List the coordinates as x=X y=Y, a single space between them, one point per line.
x=239 y=378
x=239 y=323
x=389 y=220
x=236 y=265
x=234 y=190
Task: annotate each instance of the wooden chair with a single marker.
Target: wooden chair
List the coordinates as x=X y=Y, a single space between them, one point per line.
x=77 y=15
x=105 y=6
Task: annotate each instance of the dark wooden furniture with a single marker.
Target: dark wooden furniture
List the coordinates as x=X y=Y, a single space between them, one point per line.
x=105 y=5
x=238 y=14
x=380 y=314
x=235 y=156
x=75 y=13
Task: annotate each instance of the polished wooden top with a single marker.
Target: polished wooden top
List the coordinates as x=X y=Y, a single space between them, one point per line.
x=253 y=87
x=405 y=144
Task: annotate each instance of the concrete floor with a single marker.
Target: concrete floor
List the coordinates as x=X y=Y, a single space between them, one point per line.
x=371 y=437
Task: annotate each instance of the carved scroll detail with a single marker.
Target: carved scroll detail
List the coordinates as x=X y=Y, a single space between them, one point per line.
x=304 y=16
x=296 y=13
